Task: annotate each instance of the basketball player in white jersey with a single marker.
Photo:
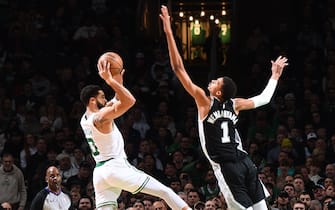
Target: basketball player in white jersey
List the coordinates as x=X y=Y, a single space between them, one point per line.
x=113 y=172
x=219 y=138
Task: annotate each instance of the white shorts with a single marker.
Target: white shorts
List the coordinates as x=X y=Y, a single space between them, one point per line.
x=114 y=176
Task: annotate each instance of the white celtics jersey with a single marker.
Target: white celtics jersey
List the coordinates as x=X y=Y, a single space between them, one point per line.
x=103 y=146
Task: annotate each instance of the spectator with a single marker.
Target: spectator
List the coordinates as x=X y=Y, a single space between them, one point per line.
x=185 y=179
x=13 y=188
x=170 y=172
x=316 y=205
x=79 y=157
x=148 y=201
x=138 y=205
x=85 y=203
x=199 y=205
x=306 y=198
x=29 y=149
x=319 y=192
x=14 y=145
x=140 y=121
x=328 y=181
x=326 y=201
x=193 y=196
x=89 y=191
x=149 y=166
x=330 y=191
x=144 y=148
x=159 y=205
x=175 y=185
x=66 y=169
x=211 y=188
x=330 y=171
x=188 y=187
x=282 y=202
x=68 y=149
x=289 y=188
x=5 y=206
x=75 y=197
x=298 y=205
x=220 y=202
x=314 y=171
x=82 y=178
x=299 y=185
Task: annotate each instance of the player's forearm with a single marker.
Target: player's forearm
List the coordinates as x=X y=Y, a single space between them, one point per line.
x=122 y=93
x=266 y=95
x=175 y=58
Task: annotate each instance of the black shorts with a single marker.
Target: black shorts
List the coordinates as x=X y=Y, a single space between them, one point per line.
x=242 y=180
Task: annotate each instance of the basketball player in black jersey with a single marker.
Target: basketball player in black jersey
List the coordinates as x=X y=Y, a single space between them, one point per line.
x=219 y=138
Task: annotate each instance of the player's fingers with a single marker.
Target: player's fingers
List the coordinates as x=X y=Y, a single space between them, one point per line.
x=99 y=66
x=108 y=65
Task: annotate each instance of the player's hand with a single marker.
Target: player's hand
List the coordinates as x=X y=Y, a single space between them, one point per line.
x=119 y=77
x=165 y=17
x=104 y=69
x=278 y=66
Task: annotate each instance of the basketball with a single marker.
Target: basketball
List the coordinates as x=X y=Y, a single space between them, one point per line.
x=116 y=63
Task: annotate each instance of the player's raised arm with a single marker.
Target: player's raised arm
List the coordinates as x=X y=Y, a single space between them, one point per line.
x=125 y=99
x=265 y=97
x=177 y=63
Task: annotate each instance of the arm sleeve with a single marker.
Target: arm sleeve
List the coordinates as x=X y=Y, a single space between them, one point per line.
x=266 y=95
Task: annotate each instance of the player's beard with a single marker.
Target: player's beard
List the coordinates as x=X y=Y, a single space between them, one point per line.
x=100 y=105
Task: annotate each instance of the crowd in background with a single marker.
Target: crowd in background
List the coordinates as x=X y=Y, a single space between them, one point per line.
x=49 y=49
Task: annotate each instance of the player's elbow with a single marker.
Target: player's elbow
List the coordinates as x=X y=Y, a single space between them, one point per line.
x=133 y=102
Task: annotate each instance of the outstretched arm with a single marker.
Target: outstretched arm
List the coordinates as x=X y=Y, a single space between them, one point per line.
x=266 y=95
x=177 y=65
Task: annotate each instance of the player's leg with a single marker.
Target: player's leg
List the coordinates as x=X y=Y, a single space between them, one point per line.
x=105 y=195
x=256 y=188
x=108 y=207
x=156 y=188
x=260 y=205
x=129 y=178
x=231 y=181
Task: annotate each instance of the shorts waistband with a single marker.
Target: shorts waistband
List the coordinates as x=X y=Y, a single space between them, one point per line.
x=102 y=162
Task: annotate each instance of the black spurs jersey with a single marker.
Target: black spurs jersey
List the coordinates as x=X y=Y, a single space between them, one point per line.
x=219 y=137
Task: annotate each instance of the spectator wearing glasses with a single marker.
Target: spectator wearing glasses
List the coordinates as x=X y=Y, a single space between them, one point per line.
x=319 y=192
x=282 y=202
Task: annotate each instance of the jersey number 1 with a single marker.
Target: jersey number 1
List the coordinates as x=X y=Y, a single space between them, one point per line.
x=225 y=132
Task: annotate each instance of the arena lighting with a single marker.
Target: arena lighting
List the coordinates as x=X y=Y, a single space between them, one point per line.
x=190 y=18
x=223 y=13
x=211 y=17
x=202 y=13
x=181 y=14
